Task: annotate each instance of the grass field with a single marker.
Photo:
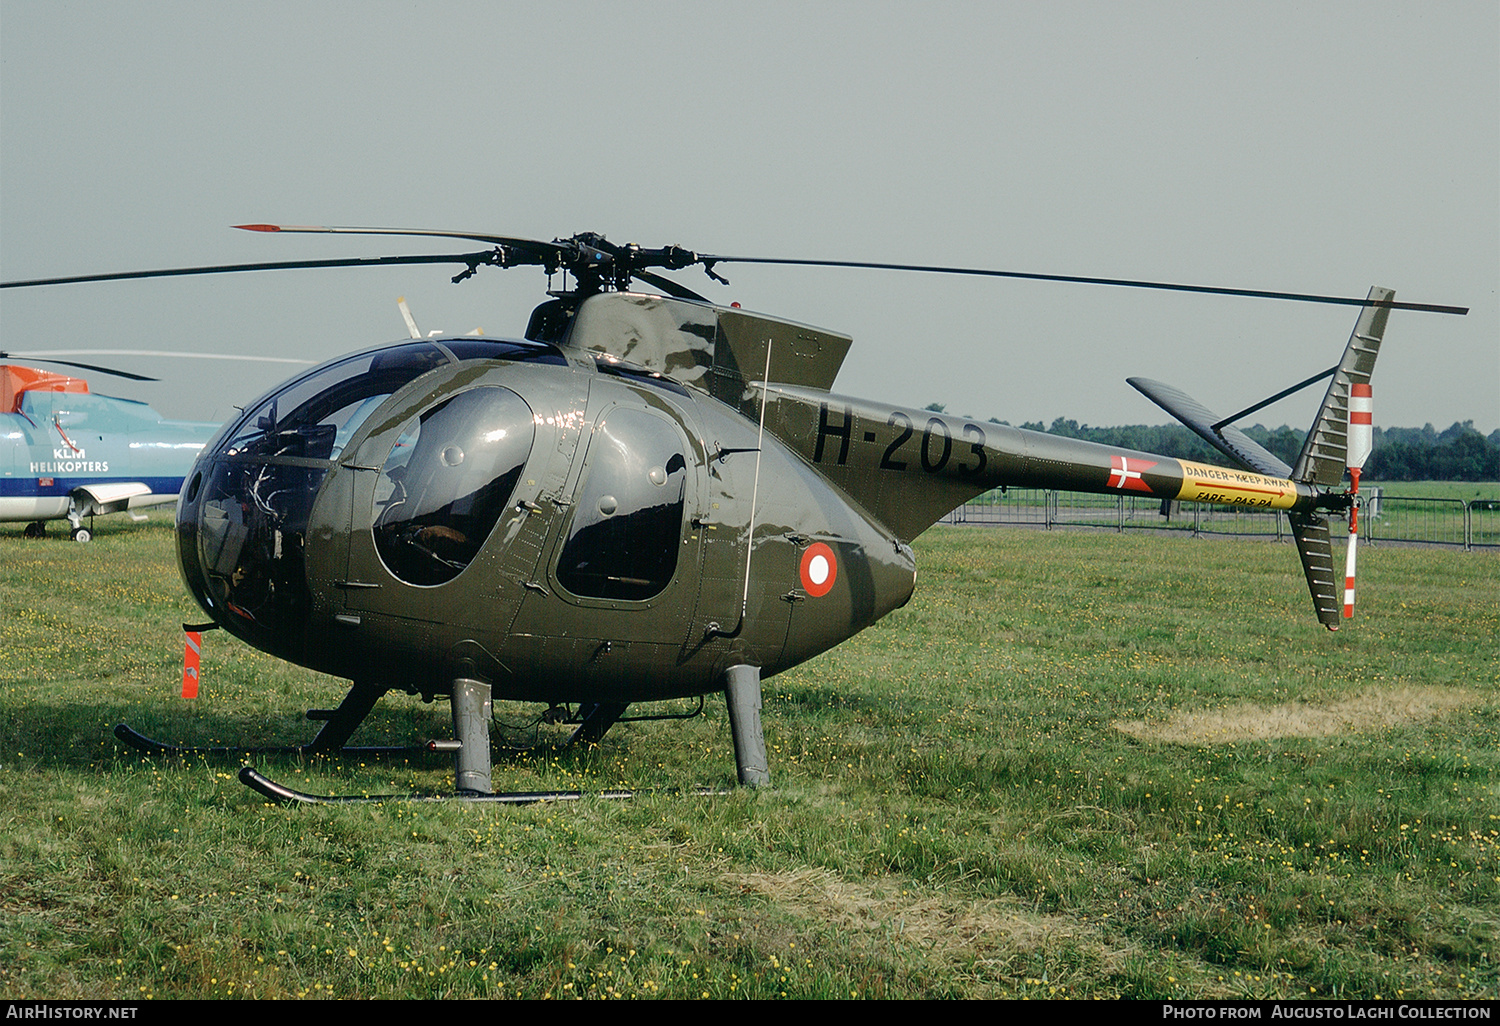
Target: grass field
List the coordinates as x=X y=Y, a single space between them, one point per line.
x=1076 y=765
x=1467 y=491
x=1465 y=514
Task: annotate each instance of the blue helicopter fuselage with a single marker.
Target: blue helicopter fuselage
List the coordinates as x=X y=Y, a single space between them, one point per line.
x=71 y=453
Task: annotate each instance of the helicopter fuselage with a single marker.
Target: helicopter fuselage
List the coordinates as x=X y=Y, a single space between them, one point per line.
x=639 y=495
x=561 y=526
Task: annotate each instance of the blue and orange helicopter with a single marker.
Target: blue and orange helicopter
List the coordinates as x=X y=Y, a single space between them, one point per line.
x=69 y=453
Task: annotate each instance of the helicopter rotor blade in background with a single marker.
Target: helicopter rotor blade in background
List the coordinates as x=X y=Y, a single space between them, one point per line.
x=50 y=356
x=709 y=260
x=38 y=358
x=42 y=354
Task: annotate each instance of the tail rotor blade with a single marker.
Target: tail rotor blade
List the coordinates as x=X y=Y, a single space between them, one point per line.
x=1360 y=440
x=1361 y=426
x=1349 y=568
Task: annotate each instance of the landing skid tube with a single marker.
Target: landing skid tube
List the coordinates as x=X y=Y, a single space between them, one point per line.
x=141 y=743
x=278 y=793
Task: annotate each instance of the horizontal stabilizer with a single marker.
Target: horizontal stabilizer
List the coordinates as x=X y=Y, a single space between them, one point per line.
x=114 y=492
x=1229 y=440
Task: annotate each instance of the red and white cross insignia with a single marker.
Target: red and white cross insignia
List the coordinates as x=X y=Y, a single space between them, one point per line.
x=1124 y=474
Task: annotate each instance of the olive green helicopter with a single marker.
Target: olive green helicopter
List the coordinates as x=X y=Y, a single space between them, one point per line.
x=648 y=496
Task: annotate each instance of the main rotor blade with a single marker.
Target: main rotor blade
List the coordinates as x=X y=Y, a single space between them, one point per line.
x=532 y=245
x=545 y=251
x=279 y=265
x=709 y=260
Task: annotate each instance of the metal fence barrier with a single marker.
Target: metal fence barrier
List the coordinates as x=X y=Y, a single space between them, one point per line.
x=1391 y=518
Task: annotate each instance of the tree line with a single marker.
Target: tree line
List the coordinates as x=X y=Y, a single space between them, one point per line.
x=1460 y=453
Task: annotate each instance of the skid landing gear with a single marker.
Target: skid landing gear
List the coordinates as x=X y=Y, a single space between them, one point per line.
x=742 y=695
x=470 y=704
x=471 y=709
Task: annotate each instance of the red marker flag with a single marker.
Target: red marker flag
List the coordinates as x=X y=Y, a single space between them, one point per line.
x=190 y=664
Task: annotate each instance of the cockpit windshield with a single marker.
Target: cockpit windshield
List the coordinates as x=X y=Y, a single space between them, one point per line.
x=444 y=487
x=316 y=416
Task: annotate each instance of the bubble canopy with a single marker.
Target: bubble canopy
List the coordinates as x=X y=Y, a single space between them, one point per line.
x=243 y=522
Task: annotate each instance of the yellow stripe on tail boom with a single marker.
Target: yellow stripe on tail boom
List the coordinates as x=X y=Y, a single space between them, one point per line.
x=1204 y=483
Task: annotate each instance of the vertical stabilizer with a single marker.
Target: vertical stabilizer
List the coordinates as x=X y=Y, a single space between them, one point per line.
x=1325 y=454
x=1316 y=550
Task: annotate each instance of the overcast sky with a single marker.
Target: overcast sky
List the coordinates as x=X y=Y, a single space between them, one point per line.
x=1303 y=147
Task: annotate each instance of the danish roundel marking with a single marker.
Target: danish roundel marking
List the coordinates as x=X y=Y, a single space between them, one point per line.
x=820 y=568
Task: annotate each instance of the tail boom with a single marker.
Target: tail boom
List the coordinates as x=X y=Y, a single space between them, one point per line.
x=909 y=468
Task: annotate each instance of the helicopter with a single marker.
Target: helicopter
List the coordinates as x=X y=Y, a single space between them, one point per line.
x=68 y=453
x=647 y=496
